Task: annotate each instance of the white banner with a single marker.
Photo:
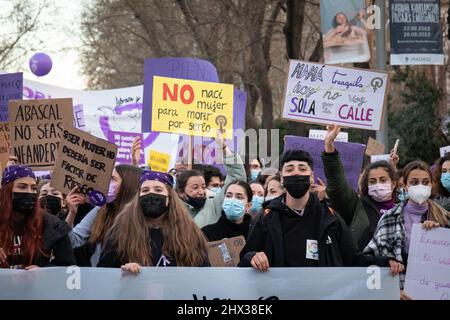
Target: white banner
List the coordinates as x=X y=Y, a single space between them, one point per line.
x=177 y=283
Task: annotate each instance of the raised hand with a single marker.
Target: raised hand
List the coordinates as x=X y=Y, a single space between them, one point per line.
x=332 y=132
x=136 y=151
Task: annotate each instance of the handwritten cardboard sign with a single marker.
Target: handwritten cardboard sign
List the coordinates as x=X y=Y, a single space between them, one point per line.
x=428 y=272
x=4 y=145
x=374 y=147
x=36 y=127
x=191 y=107
x=11 y=88
x=351 y=154
x=225 y=252
x=85 y=161
x=326 y=94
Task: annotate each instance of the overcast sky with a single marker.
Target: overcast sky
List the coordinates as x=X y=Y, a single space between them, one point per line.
x=64 y=34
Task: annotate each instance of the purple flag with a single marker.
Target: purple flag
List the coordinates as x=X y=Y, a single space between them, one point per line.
x=351 y=154
x=11 y=88
x=181 y=68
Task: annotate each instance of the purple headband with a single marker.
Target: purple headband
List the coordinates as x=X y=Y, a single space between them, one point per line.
x=157 y=176
x=15 y=172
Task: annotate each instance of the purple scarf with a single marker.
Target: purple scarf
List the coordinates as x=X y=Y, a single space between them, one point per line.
x=412 y=213
x=384 y=206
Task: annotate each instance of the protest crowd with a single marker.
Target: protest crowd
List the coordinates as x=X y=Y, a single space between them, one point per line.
x=98 y=184
x=164 y=219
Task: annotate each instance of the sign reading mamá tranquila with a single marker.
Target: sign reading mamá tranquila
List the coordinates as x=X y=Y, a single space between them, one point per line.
x=326 y=94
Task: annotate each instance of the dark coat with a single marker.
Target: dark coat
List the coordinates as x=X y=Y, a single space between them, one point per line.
x=360 y=214
x=336 y=245
x=57 y=246
x=225 y=228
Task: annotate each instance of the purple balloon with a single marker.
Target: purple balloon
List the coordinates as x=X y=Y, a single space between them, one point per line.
x=40 y=64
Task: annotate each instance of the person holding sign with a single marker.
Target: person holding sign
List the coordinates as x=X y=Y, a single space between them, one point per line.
x=123 y=187
x=191 y=187
x=442 y=183
x=29 y=238
x=378 y=184
x=235 y=220
x=393 y=233
x=298 y=230
x=154 y=229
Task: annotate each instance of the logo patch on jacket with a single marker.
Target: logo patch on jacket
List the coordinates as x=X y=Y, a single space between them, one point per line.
x=312 y=249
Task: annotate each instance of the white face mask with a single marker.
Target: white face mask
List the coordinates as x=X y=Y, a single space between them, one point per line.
x=419 y=193
x=380 y=192
x=268 y=198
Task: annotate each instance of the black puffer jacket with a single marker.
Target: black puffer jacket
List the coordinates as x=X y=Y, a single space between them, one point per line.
x=336 y=245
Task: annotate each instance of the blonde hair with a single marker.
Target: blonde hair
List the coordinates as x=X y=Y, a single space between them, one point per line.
x=183 y=240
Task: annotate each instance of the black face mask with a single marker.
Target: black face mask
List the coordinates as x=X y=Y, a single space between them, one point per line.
x=297 y=186
x=197 y=203
x=24 y=202
x=52 y=204
x=153 y=205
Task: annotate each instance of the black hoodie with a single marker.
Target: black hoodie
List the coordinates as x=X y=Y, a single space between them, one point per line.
x=335 y=243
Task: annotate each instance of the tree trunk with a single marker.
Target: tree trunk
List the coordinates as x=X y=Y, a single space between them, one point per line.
x=295 y=11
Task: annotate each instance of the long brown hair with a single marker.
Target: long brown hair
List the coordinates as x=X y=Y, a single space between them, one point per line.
x=183 y=240
x=364 y=182
x=128 y=189
x=32 y=242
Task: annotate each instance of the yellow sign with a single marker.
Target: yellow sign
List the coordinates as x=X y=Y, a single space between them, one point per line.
x=159 y=161
x=194 y=108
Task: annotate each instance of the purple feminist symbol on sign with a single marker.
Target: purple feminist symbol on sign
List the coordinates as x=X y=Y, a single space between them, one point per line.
x=97 y=198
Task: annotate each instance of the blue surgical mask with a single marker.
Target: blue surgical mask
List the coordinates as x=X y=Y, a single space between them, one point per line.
x=402 y=195
x=445 y=180
x=254 y=174
x=257 y=202
x=215 y=190
x=234 y=209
